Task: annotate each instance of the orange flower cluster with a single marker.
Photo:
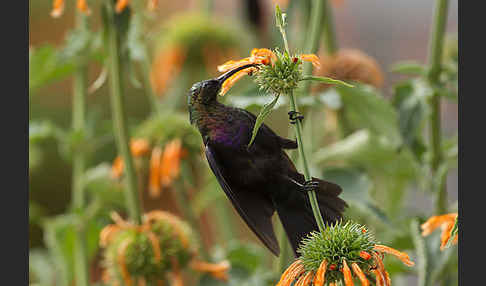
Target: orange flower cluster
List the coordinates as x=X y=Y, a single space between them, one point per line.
x=164 y=163
x=58 y=6
x=166 y=67
x=352 y=65
x=446 y=222
x=109 y=233
x=257 y=56
x=296 y=271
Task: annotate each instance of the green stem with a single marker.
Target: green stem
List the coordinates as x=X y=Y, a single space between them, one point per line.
x=78 y=125
x=317 y=12
x=329 y=30
x=119 y=120
x=312 y=194
x=145 y=63
x=435 y=62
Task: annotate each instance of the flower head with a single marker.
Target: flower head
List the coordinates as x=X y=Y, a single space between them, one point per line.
x=164 y=163
x=161 y=246
x=351 y=65
x=447 y=223
x=344 y=252
x=277 y=72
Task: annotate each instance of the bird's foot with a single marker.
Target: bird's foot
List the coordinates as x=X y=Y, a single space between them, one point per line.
x=310 y=186
x=294 y=116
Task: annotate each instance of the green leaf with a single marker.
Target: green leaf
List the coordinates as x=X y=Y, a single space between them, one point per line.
x=412 y=111
x=327 y=80
x=409 y=67
x=267 y=108
x=364 y=107
x=356 y=187
x=45 y=66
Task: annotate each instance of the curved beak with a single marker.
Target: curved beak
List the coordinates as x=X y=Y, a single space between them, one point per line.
x=222 y=78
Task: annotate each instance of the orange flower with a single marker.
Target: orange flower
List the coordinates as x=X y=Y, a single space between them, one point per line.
x=446 y=222
x=58 y=8
x=138 y=148
x=122 y=4
x=166 y=67
x=108 y=234
x=296 y=270
x=257 y=56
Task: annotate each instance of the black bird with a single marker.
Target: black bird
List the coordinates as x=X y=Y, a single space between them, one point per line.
x=261 y=179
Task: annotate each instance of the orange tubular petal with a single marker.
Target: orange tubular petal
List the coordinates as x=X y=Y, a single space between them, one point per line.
x=365 y=255
x=360 y=274
x=288 y=271
x=121 y=261
x=234 y=78
x=348 y=276
x=155 y=245
x=387 y=278
x=57 y=8
x=121 y=5
x=380 y=281
x=83 y=7
x=117 y=168
x=446 y=235
x=154 y=177
x=305 y=280
x=400 y=255
x=311 y=58
x=218 y=270
x=107 y=233
x=320 y=277
x=229 y=65
x=435 y=221
x=332 y=284
x=379 y=262
x=298 y=270
x=139 y=147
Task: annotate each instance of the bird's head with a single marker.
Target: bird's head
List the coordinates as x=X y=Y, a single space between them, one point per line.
x=206 y=91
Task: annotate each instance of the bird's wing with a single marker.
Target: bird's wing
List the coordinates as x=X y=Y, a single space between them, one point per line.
x=253 y=207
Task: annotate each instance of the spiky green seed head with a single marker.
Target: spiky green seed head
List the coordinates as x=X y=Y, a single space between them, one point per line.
x=338 y=242
x=282 y=76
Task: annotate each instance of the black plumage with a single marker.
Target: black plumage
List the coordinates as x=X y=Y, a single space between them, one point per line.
x=261 y=179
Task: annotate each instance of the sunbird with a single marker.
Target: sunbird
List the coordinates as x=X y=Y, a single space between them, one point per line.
x=259 y=179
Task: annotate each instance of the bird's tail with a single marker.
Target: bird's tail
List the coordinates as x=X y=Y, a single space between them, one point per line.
x=295 y=211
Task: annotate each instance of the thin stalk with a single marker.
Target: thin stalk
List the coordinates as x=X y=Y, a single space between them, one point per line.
x=311 y=194
x=315 y=34
x=119 y=120
x=78 y=202
x=435 y=62
x=329 y=30
x=145 y=63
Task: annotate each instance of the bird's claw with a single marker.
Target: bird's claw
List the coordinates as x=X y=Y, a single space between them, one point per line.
x=310 y=186
x=294 y=116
